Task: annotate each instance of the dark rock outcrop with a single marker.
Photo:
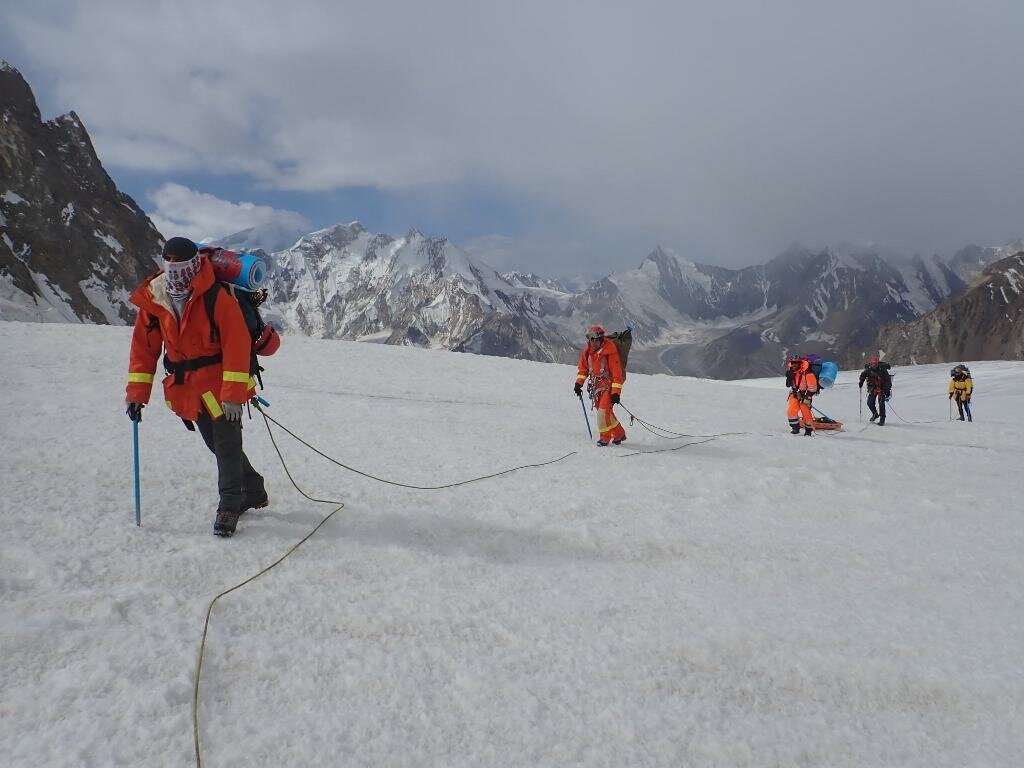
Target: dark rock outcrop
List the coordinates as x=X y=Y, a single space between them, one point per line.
x=72 y=247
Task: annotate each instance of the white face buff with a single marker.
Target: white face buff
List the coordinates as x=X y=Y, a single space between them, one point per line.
x=179 y=276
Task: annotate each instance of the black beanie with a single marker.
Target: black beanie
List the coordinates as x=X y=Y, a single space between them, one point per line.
x=179 y=249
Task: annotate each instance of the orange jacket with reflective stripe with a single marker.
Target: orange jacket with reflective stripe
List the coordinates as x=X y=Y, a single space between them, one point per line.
x=804 y=379
x=157 y=327
x=602 y=366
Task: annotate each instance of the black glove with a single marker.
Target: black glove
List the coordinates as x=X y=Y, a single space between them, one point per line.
x=950 y=395
x=615 y=398
x=888 y=398
x=134 y=411
x=578 y=389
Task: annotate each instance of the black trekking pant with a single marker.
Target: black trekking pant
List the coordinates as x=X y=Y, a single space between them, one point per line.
x=964 y=405
x=880 y=411
x=236 y=479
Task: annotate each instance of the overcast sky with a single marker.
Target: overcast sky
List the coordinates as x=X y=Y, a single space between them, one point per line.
x=557 y=136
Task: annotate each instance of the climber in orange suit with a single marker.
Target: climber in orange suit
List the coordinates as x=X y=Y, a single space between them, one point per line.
x=600 y=361
x=803 y=386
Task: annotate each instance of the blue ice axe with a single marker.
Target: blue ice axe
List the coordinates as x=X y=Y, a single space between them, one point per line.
x=585 y=417
x=138 y=497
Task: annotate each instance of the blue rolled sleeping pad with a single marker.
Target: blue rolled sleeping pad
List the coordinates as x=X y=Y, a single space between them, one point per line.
x=244 y=270
x=827 y=377
x=254 y=272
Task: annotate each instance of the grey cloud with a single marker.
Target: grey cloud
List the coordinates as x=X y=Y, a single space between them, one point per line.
x=734 y=128
x=179 y=210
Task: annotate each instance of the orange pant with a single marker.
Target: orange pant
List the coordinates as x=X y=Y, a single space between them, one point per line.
x=800 y=408
x=608 y=426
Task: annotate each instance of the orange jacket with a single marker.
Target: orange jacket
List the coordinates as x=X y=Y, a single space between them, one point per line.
x=602 y=366
x=804 y=380
x=156 y=327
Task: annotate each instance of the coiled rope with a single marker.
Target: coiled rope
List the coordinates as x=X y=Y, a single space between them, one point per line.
x=209 y=610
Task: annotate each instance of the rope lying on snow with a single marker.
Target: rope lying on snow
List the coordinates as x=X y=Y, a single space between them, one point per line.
x=406 y=485
x=893 y=411
x=268 y=420
x=663 y=450
x=655 y=429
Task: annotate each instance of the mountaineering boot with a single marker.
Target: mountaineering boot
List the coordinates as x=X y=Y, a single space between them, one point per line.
x=225 y=523
x=601 y=443
x=874 y=417
x=254 y=500
x=618 y=441
x=795 y=430
x=961 y=418
x=808 y=432
x=881 y=422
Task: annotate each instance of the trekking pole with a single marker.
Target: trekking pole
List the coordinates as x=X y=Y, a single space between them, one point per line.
x=951 y=409
x=585 y=417
x=860 y=407
x=138 y=502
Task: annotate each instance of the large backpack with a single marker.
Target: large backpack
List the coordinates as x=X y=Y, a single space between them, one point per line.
x=961 y=369
x=825 y=372
x=622 y=340
x=263 y=342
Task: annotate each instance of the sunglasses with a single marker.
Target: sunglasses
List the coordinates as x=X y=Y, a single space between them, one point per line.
x=595 y=336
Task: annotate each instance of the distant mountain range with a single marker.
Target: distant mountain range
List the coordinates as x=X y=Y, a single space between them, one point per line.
x=687 y=318
x=984 y=322
x=72 y=247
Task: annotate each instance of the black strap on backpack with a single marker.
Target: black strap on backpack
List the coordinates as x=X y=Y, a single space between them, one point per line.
x=210 y=300
x=252 y=318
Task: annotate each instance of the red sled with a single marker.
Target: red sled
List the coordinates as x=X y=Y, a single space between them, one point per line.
x=824 y=422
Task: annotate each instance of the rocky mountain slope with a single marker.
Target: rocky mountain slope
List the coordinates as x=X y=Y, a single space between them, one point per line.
x=72 y=247
x=984 y=322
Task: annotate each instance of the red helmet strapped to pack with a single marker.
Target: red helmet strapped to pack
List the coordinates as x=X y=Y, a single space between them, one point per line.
x=595 y=332
x=874 y=360
x=268 y=342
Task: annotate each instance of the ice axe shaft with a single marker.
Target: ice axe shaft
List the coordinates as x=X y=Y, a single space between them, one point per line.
x=138 y=493
x=585 y=417
x=822 y=414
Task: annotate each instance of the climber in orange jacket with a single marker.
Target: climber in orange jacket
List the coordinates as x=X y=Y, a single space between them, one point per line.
x=803 y=385
x=208 y=369
x=600 y=361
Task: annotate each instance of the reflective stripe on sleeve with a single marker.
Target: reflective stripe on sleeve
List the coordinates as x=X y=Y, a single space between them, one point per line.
x=140 y=378
x=239 y=376
x=212 y=405
x=616 y=386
